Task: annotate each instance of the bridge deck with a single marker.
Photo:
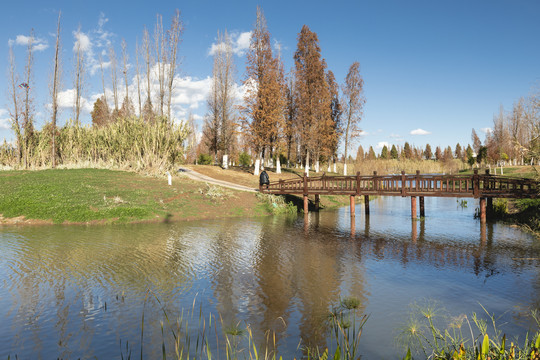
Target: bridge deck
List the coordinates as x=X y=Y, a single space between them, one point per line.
x=477 y=186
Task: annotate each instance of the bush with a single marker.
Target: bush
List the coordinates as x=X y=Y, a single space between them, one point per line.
x=204 y=159
x=276 y=204
x=244 y=159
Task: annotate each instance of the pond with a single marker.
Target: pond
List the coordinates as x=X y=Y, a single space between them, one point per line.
x=82 y=292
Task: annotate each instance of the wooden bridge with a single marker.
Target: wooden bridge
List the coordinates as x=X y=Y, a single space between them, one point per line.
x=485 y=187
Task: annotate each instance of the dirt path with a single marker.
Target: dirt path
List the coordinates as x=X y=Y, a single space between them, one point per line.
x=200 y=177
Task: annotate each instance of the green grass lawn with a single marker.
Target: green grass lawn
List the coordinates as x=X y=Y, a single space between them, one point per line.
x=94 y=195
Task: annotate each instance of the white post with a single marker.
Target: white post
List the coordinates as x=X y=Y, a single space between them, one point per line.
x=169 y=178
x=225 y=161
x=345 y=169
x=502 y=170
x=256 y=171
x=278 y=166
x=335 y=167
x=329 y=169
x=317 y=166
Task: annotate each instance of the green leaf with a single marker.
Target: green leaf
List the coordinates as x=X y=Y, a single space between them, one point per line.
x=337 y=355
x=408 y=356
x=485 y=347
x=537 y=343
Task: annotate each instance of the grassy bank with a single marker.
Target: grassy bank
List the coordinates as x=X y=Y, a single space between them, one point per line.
x=105 y=196
x=522 y=212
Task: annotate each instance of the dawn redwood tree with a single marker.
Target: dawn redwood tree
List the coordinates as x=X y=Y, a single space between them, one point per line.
x=407 y=152
x=290 y=116
x=353 y=92
x=476 y=141
x=458 y=152
x=438 y=153
x=100 y=112
x=371 y=154
x=427 y=152
x=336 y=110
x=265 y=100
x=360 y=154
x=312 y=95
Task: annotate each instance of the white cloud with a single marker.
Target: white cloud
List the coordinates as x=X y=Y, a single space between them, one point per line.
x=242 y=42
x=381 y=144
x=5 y=122
x=419 y=132
x=239 y=43
x=362 y=133
x=66 y=100
x=38 y=44
x=82 y=40
x=486 y=130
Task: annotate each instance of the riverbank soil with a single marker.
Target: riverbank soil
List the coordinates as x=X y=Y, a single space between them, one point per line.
x=82 y=196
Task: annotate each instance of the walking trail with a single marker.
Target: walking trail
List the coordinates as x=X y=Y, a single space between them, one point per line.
x=200 y=177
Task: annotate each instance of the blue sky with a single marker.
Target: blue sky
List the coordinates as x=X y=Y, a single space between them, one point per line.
x=440 y=66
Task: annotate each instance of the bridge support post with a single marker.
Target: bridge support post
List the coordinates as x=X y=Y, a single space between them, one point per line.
x=352 y=206
x=413 y=207
x=482 y=210
x=306 y=201
x=422 y=209
x=366 y=204
x=317 y=202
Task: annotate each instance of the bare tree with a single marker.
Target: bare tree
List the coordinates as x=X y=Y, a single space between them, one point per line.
x=220 y=121
x=161 y=60
x=79 y=77
x=54 y=89
x=112 y=59
x=125 y=58
x=148 y=112
x=14 y=110
x=28 y=121
x=173 y=39
x=138 y=71
x=353 y=104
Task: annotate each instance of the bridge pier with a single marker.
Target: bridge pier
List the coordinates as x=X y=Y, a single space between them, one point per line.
x=317 y=202
x=306 y=204
x=352 y=206
x=422 y=209
x=366 y=204
x=483 y=210
x=489 y=212
x=413 y=207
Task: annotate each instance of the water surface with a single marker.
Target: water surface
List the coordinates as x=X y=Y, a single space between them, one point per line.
x=76 y=291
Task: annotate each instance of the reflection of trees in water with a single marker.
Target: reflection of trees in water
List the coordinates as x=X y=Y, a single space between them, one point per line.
x=75 y=270
x=259 y=271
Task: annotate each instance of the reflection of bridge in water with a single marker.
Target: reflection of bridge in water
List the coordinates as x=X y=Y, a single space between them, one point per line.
x=485 y=187
x=483 y=256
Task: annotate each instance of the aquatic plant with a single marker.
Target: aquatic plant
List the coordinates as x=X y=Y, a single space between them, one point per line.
x=434 y=335
x=277 y=205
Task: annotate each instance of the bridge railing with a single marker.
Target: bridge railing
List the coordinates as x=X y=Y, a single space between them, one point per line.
x=409 y=185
